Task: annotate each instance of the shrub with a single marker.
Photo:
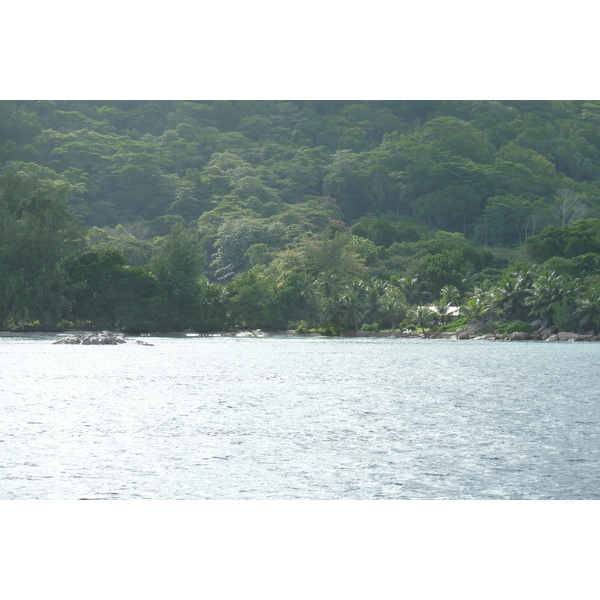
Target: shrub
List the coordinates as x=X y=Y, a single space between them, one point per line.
x=332 y=330
x=454 y=325
x=302 y=328
x=509 y=327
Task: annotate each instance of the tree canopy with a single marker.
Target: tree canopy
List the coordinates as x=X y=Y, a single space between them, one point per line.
x=188 y=211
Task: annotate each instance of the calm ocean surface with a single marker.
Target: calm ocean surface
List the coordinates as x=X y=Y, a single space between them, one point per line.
x=299 y=418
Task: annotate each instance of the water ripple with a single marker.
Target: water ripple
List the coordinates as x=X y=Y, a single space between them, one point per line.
x=275 y=418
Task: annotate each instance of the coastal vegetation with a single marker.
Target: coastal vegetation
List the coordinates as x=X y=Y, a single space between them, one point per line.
x=325 y=216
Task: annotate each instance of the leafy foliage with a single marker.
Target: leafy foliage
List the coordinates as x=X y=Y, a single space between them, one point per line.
x=37 y=235
x=341 y=214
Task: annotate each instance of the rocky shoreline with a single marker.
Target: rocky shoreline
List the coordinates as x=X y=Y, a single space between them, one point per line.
x=549 y=334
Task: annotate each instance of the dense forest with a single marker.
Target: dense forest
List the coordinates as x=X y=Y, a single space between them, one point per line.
x=327 y=215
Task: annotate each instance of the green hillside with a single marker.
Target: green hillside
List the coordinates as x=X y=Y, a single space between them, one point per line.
x=162 y=215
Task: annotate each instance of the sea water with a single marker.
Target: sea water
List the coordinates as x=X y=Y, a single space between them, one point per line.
x=299 y=418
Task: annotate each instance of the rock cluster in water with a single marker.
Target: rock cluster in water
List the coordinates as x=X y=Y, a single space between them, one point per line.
x=104 y=338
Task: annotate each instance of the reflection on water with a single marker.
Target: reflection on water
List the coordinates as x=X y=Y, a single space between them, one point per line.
x=295 y=418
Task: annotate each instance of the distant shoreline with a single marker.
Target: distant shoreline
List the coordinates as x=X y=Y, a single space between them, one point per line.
x=259 y=333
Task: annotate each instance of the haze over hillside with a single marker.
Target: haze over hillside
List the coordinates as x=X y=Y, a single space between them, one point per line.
x=204 y=214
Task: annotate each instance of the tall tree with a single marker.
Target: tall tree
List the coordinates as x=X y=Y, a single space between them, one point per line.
x=37 y=235
x=178 y=265
x=569 y=207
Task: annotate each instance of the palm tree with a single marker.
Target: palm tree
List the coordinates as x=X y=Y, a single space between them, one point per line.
x=309 y=297
x=443 y=309
x=512 y=292
x=449 y=299
x=421 y=316
x=372 y=302
x=333 y=309
x=358 y=287
x=411 y=288
x=587 y=310
x=353 y=311
x=450 y=294
x=474 y=310
x=393 y=310
x=327 y=284
x=482 y=303
x=469 y=280
x=548 y=293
